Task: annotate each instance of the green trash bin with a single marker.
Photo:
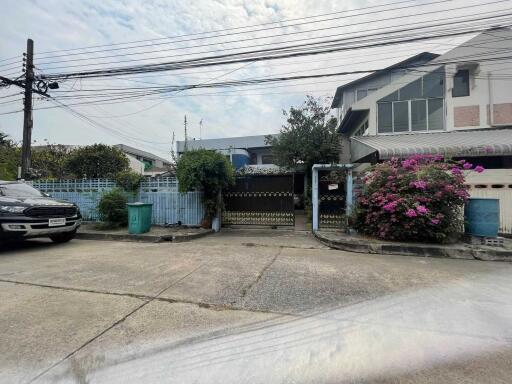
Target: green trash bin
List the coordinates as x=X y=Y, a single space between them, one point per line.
x=139 y=217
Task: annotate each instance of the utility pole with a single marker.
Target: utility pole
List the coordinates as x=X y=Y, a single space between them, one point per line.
x=201 y=129
x=27 y=111
x=185 y=147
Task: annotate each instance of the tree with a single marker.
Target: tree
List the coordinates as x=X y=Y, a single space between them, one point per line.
x=9 y=158
x=308 y=137
x=96 y=161
x=50 y=161
x=5 y=140
x=206 y=171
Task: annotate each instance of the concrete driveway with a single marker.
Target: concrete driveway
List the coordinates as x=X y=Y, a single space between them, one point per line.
x=249 y=306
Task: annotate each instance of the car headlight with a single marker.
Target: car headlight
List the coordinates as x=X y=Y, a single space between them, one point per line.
x=11 y=209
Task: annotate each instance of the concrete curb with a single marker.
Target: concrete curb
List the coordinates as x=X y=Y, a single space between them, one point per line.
x=140 y=238
x=414 y=249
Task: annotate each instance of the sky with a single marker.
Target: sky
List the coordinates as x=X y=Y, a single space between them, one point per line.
x=57 y=25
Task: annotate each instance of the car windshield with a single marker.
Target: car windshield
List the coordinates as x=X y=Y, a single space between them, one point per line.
x=18 y=190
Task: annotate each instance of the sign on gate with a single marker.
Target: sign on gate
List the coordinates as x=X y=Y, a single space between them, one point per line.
x=260 y=200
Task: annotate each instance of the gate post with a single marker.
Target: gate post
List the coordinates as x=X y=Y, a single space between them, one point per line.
x=314 y=187
x=348 y=209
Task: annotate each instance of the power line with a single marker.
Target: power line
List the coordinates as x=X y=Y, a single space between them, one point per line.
x=159 y=86
x=11 y=58
x=268 y=36
x=224 y=29
x=269 y=80
x=272 y=54
x=347 y=37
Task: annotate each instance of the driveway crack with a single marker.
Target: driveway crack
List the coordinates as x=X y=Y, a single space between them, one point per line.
x=246 y=290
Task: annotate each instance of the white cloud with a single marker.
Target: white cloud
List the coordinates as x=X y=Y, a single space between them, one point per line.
x=59 y=25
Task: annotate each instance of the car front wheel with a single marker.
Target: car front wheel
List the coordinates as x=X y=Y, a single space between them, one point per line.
x=63 y=237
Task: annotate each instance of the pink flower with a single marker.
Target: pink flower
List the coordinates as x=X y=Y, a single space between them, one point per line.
x=422 y=210
x=435 y=221
x=479 y=169
x=411 y=213
x=390 y=207
x=462 y=193
x=457 y=171
x=468 y=165
x=419 y=184
x=409 y=163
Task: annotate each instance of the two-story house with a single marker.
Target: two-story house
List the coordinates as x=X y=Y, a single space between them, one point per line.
x=457 y=104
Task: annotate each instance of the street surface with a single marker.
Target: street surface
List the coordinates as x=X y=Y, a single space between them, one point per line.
x=249 y=306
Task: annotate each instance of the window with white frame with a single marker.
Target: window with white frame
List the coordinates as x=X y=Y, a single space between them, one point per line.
x=418 y=106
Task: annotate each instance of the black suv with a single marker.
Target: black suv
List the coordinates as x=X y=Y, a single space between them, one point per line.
x=25 y=213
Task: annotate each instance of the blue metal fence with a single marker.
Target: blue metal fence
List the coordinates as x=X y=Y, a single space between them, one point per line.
x=169 y=205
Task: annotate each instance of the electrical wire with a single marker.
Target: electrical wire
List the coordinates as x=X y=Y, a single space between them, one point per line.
x=366 y=22
x=256 y=55
x=152 y=41
x=347 y=38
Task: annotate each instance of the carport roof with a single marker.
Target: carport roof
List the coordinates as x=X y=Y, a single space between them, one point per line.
x=481 y=142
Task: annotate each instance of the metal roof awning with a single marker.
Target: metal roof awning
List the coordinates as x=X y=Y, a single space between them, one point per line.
x=469 y=143
x=351 y=119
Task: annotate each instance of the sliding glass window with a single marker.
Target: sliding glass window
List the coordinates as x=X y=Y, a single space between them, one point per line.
x=416 y=107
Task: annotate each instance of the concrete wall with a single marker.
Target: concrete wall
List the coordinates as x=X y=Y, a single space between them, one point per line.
x=489 y=87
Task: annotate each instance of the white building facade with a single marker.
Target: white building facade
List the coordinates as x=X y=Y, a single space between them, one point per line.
x=458 y=104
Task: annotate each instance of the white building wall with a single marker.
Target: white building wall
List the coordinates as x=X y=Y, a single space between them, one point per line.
x=135 y=165
x=489 y=84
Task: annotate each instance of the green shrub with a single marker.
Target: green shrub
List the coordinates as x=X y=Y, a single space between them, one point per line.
x=112 y=208
x=205 y=171
x=129 y=180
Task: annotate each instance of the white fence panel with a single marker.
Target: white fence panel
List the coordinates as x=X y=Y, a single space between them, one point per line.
x=169 y=206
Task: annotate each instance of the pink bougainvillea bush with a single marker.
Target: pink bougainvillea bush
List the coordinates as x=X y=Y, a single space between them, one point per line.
x=417 y=199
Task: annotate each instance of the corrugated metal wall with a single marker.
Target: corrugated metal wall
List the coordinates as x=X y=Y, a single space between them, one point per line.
x=169 y=205
x=505 y=197
x=497 y=184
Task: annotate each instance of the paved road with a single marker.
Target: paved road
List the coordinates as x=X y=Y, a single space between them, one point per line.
x=249 y=306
